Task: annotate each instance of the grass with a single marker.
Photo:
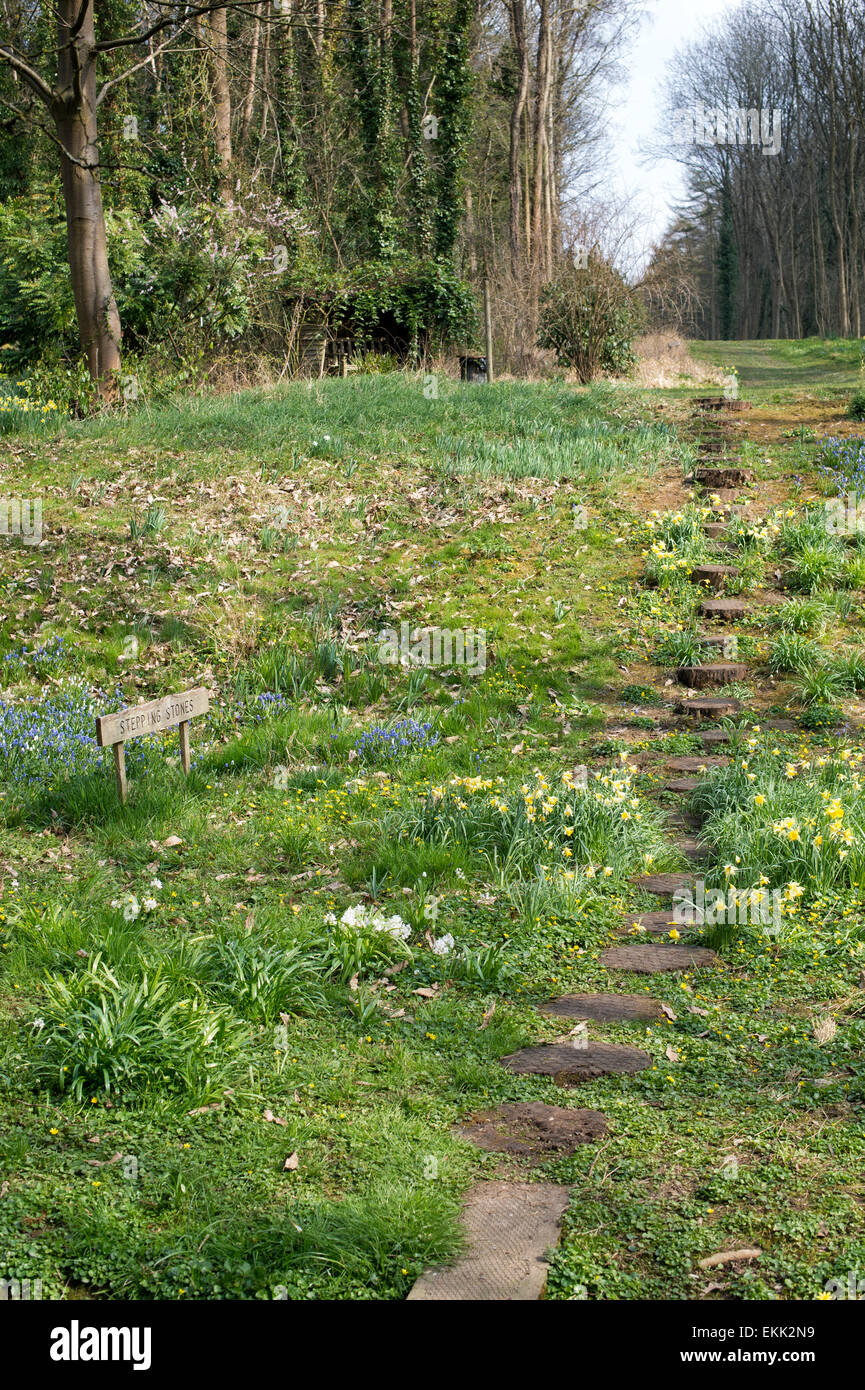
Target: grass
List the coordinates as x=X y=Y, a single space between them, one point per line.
x=296 y=950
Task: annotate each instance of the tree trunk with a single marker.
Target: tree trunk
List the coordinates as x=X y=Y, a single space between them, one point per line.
x=541 y=97
x=221 y=99
x=249 y=104
x=74 y=113
x=518 y=27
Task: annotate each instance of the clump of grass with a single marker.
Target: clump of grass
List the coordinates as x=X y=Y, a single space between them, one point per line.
x=801 y=615
x=262 y=981
x=856 y=406
x=679 y=649
x=819 y=685
x=792 y=652
x=130 y=1036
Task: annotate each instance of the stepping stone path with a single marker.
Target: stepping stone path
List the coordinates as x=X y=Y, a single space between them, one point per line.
x=509 y=1227
x=568 y=1064
x=646 y=960
x=726 y=609
x=531 y=1129
x=604 y=1008
x=713 y=575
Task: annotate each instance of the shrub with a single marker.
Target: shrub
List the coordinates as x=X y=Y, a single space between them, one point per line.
x=590 y=319
x=856 y=406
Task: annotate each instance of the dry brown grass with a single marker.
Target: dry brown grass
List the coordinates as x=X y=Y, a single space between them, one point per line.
x=663 y=359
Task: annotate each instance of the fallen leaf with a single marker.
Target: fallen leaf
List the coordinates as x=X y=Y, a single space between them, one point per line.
x=727 y=1257
x=702 y=1013
x=665 y=1009
x=172 y=842
x=425 y=993
x=487 y=1016
x=671 y=1054
x=274 y=1119
x=352 y=984
x=206 y=1109
x=290 y=1163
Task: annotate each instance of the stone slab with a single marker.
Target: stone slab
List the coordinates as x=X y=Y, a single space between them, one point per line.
x=531 y=1129
x=509 y=1227
x=569 y=1064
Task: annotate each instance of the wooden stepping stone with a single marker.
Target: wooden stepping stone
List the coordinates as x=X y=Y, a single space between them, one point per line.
x=683 y=820
x=737 y=405
x=531 y=1129
x=604 y=1008
x=718 y=640
x=735 y=512
x=509 y=1227
x=654 y=923
x=713 y=575
x=724 y=609
x=663 y=885
x=710 y=736
x=710 y=707
x=568 y=1065
x=683 y=785
x=691 y=848
x=728 y=476
x=646 y=960
x=714 y=673
x=696 y=764
x=709 y=402
x=715 y=529
x=784 y=726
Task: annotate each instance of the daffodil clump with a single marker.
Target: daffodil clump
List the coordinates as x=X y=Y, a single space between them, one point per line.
x=676 y=543
x=775 y=821
x=594 y=825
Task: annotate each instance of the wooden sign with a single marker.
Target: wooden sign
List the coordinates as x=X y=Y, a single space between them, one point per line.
x=172 y=712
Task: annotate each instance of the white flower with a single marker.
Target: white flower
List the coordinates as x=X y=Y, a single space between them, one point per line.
x=443 y=945
x=150 y=904
x=360 y=917
x=330 y=919
x=130 y=905
x=394 y=926
x=38 y=1023
x=156 y=883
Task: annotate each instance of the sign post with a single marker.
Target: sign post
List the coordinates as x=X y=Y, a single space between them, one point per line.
x=156 y=717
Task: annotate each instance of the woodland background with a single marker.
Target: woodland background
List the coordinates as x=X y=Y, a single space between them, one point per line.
x=367 y=164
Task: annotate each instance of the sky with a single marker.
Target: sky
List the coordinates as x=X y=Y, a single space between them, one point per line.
x=652 y=186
